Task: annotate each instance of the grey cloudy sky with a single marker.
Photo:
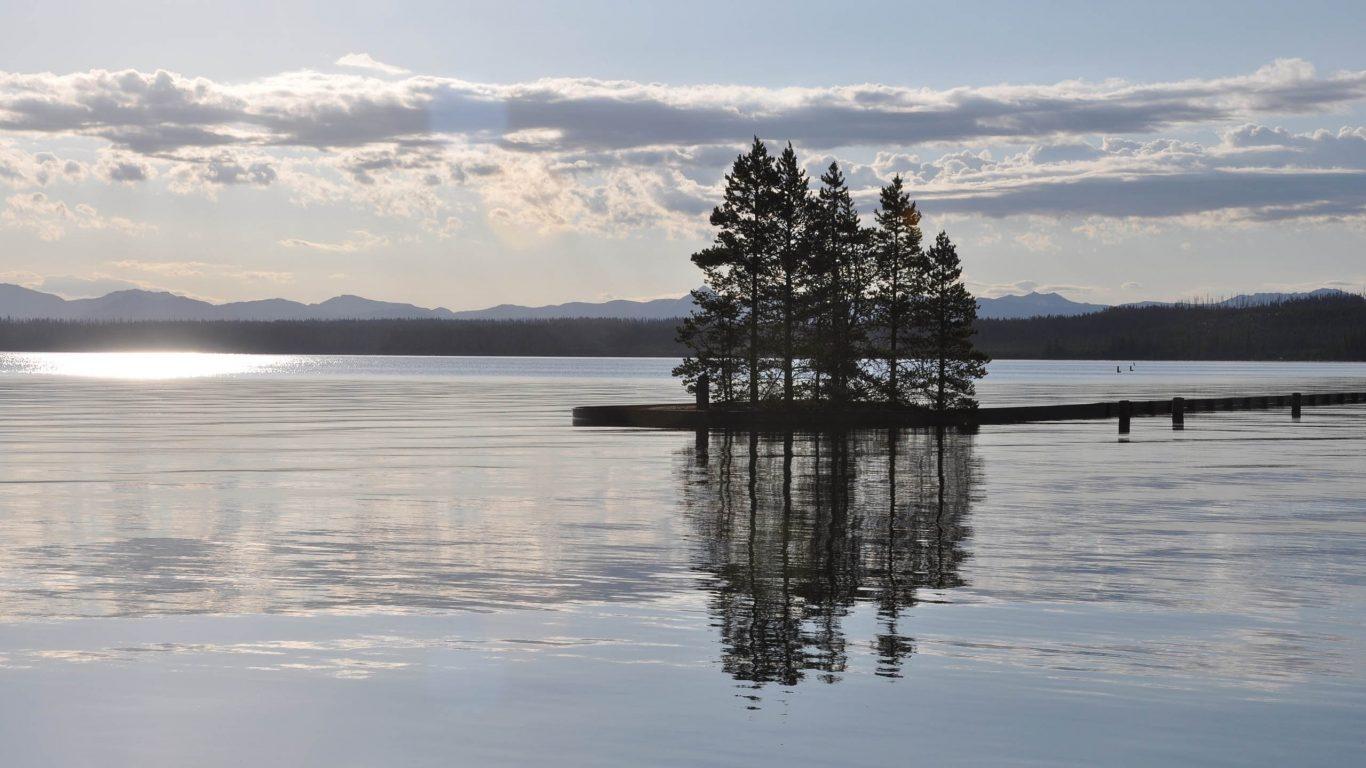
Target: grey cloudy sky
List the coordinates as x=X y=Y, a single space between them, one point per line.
x=469 y=154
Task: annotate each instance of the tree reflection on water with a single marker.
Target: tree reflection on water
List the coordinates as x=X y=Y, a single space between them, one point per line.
x=796 y=531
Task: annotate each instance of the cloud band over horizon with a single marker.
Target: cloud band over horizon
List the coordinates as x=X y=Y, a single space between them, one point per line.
x=614 y=158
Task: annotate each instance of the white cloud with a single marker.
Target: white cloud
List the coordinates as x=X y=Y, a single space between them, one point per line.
x=617 y=158
x=360 y=240
x=164 y=268
x=122 y=167
x=1253 y=174
x=161 y=111
x=22 y=169
x=51 y=219
x=1036 y=241
x=366 y=61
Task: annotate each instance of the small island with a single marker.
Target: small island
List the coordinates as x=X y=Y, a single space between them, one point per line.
x=808 y=318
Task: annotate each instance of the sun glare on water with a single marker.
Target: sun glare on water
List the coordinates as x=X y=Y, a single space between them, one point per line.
x=138 y=365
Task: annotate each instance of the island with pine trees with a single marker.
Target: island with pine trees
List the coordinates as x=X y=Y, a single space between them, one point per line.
x=808 y=318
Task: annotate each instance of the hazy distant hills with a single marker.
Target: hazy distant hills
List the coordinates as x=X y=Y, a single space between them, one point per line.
x=21 y=303
x=1033 y=305
x=657 y=309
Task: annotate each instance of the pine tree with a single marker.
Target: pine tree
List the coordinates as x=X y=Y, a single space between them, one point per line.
x=840 y=298
x=791 y=268
x=900 y=266
x=738 y=263
x=714 y=332
x=946 y=312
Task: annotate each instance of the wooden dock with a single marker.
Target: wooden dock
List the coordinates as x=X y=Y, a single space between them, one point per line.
x=693 y=417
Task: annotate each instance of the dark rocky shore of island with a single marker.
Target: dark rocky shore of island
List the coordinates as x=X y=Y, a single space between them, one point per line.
x=824 y=418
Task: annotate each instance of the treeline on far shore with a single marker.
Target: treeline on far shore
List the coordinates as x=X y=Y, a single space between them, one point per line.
x=579 y=337
x=1327 y=328
x=1330 y=328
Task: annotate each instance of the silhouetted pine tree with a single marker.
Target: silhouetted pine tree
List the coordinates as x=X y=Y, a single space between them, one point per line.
x=791 y=269
x=738 y=264
x=946 y=313
x=840 y=296
x=900 y=268
x=715 y=335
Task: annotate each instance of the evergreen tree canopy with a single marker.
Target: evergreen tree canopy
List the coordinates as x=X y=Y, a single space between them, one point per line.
x=738 y=264
x=801 y=299
x=948 y=311
x=899 y=274
x=841 y=290
x=792 y=272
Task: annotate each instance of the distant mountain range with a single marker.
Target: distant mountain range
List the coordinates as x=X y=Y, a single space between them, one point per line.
x=21 y=303
x=1033 y=305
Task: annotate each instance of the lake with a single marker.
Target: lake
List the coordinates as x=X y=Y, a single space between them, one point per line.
x=224 y=560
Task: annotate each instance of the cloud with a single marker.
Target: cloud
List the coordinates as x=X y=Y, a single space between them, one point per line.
x=162 y=111
x=183 y=269
x=267 y=276
x=74 y=287
x=366 y=61
x=616 y=158
x=1036 y=241
x=22 y=169
x=125 y=168
x=1254 y=173
x=164 y=268
x=50 y=219
x=1019 y=287
x=205 y=173
x=360 y=240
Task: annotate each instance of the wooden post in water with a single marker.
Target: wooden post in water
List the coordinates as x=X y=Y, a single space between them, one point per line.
x=1178 y=413
x=703 y=392
x=1296 y=400
x=1126 y=409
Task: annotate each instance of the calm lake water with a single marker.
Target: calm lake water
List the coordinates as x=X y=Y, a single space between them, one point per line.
x=221 y=560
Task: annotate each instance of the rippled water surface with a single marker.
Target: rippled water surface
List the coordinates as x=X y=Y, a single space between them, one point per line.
x=349 y=561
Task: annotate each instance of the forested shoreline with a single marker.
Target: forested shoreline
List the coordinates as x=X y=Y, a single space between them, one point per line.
x=1324 y=329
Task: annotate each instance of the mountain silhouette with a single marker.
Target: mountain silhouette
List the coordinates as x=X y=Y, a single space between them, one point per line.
x=19 y=303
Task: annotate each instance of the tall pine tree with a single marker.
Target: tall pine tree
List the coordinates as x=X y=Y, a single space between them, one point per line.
x=900 y=267
x=840 y=295
x=947 y=312
x=791 y=268
x=737 y=264
x=715 y=335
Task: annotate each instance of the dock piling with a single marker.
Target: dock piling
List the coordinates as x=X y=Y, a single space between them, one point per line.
x=1178 y=413
x=1296 y=400
x=1126 y=410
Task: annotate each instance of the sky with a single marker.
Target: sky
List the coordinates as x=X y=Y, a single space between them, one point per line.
x=468 y=154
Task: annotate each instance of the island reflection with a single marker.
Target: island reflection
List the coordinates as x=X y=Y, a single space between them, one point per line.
x=796 y=531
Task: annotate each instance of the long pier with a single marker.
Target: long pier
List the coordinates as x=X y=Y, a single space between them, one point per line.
x=687 y=416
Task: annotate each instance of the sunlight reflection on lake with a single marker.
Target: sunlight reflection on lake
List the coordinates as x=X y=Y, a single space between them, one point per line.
x=137 y=365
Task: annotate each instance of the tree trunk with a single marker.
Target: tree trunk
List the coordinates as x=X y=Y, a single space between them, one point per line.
x=787 y=338
x=754 y=336
x=895 y=320
x=943 y=353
